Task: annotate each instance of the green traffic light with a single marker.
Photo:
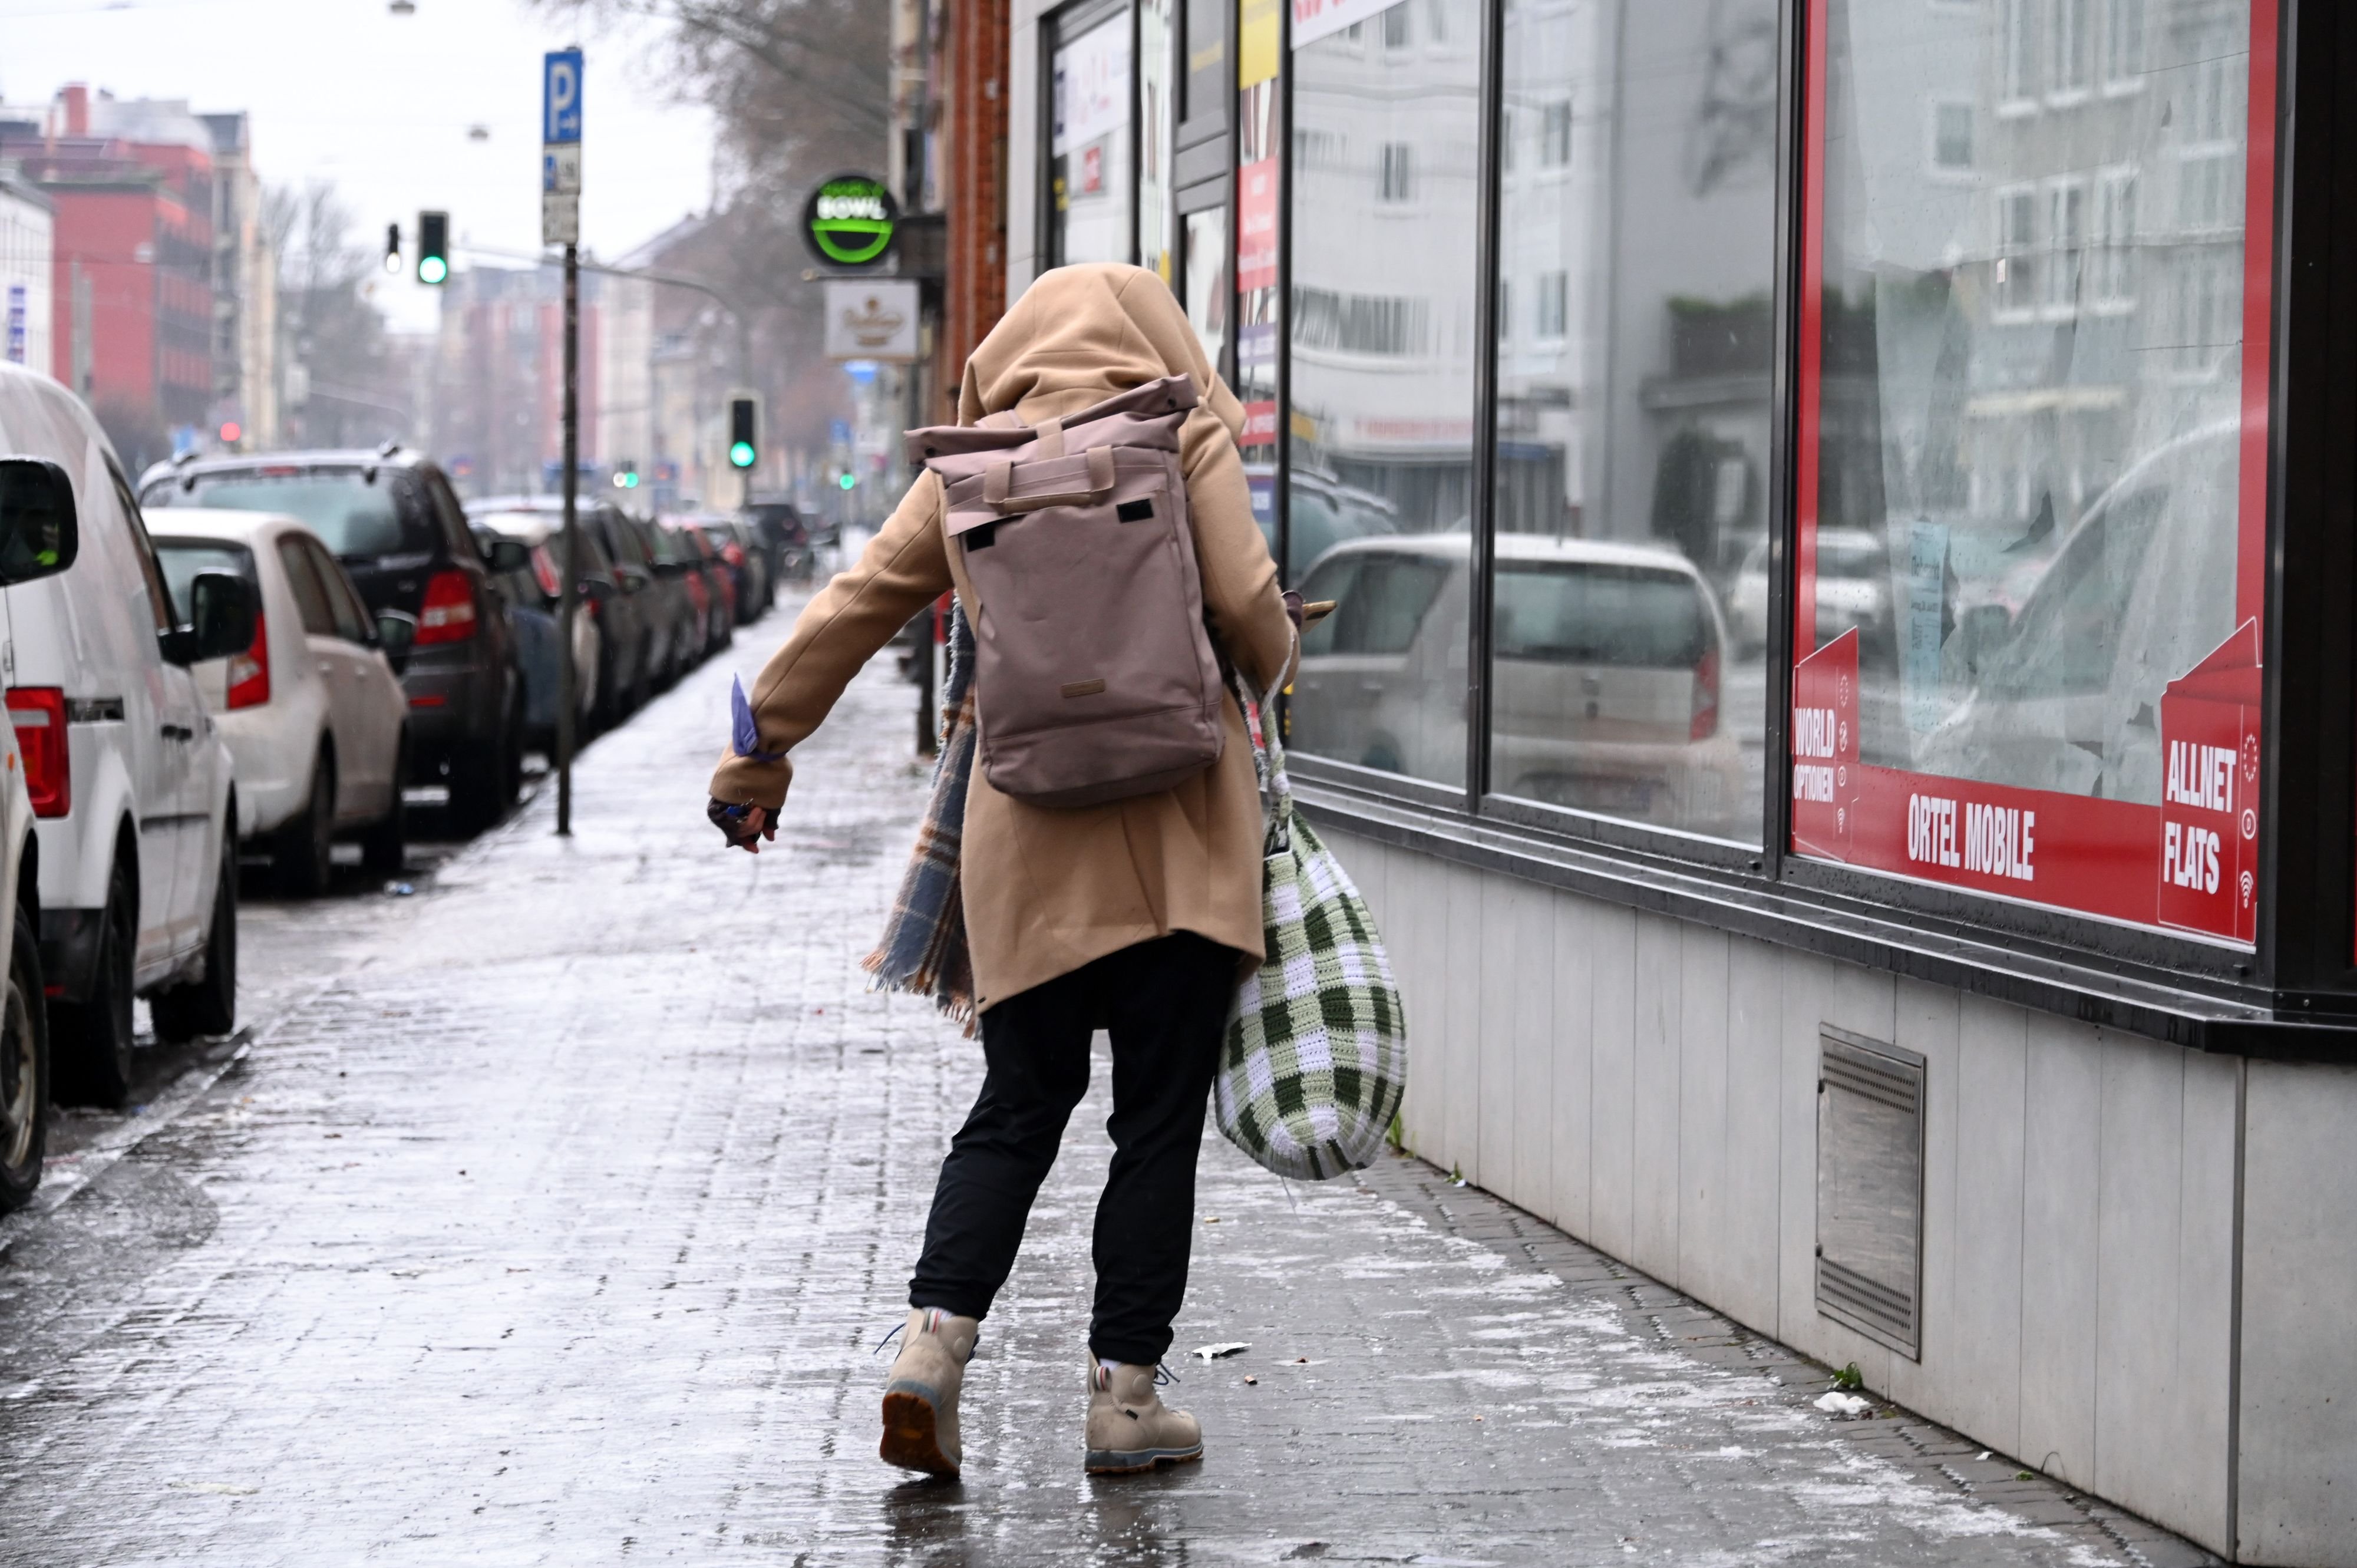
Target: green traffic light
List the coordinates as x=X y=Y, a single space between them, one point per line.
x=740 y=454
x=630 y=481
x=848 y=480
x=432 y=269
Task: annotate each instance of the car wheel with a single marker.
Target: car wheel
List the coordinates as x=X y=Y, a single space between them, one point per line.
x=304 y=853
x=477 y=784
x=90 y=1039
x=208 y=1006
x=384 y=848
x=23 y=1069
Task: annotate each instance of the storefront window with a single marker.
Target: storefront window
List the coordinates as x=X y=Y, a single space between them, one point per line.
x=1260 y=184
x=1385 y=200
x=1635 y=269
x=1089 y=185
x=1207 y=292
x=2033 y=480
x=1157 y=128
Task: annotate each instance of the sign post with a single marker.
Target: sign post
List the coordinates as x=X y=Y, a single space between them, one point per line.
x=560 y=224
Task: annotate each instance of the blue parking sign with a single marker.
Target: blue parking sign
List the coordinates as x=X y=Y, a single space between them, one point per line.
x=560 y=111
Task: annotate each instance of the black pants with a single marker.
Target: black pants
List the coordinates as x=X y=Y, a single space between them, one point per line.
x=1163 y=1002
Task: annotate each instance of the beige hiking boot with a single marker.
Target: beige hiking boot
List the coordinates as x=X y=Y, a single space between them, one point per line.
x=1130 y=1428
x=921 y=1395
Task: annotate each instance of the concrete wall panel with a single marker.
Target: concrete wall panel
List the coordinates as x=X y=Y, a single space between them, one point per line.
x=1660 y=998
x=1530 y=1090
x=1981 y=1328
x=2061 y=1169
x=1753 y=1180
x=1576 y=925
x=1704 y=1217
x=2299 y=1470
x=1925 y=1021
x=1461 y=1016
x=1612 y=1106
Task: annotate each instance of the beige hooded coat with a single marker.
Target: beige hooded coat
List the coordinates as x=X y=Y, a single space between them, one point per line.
x=1048 y=889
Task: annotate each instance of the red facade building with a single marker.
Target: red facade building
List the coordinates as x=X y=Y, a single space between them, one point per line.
x=133 y=311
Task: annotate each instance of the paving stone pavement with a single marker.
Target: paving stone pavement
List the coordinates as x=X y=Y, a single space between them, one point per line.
x=553 y=1212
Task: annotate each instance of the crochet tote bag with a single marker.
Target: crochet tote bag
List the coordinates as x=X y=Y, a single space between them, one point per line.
x=1316 y=1057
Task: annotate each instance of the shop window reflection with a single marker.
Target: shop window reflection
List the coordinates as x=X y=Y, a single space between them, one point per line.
x=1384 y=305
x=2032 y=381
x=1636 y=332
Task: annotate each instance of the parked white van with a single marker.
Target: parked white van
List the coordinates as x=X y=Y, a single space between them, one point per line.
x=36 y=539
x=129 y=781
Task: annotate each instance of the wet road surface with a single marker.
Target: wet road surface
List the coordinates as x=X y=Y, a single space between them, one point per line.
x=550 y=1214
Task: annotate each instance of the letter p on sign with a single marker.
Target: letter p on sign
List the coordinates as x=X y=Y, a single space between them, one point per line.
x=560 y=116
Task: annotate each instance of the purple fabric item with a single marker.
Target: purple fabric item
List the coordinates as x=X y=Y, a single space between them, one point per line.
x=744 y=736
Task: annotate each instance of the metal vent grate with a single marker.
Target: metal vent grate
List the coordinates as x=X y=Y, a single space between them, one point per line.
x=1871 y=1187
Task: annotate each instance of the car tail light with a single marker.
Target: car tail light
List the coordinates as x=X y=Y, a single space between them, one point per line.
x=448 y=614
x=249 y=673
x=39 y=714
x=1705 y=696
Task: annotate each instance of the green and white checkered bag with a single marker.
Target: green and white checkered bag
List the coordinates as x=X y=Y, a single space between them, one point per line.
x=1316 y=1057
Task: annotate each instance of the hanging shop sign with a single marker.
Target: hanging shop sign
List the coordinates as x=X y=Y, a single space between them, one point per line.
x=848 y=220
x=871 y=319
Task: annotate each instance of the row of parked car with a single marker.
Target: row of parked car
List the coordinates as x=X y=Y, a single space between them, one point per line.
x=267 y=652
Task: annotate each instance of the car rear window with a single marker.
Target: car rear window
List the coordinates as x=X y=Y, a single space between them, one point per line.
x=1382 y=599
x=1630 y=617
x=352 y=515
x=182 y=558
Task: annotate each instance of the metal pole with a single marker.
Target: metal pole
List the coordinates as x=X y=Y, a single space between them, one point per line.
x=568 y=680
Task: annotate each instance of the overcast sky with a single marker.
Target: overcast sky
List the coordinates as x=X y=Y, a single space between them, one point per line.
x=344 y=91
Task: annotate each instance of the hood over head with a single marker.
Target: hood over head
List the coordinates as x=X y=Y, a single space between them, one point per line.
x=1081 y=334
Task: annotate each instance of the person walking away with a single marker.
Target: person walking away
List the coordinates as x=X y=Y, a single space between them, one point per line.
x=1137 y=916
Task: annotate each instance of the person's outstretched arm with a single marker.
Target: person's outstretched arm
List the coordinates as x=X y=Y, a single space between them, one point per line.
x=1240 y=592
x=903 y=568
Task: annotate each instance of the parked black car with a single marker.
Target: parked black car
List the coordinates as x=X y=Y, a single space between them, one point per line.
x=793 y=549
x=391 y=517
x=614 y=599
x=739 y=544
x=718 y=592
x=674 y=641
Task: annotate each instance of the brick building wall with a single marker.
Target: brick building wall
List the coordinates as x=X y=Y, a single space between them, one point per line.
x=973 y=185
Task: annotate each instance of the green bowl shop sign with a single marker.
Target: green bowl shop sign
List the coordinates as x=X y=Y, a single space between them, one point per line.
x=848 y=220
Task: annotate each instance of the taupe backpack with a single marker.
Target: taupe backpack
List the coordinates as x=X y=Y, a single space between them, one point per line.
x=1095 y=678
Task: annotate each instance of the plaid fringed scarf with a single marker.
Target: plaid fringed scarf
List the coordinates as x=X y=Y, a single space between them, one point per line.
x=924 y=949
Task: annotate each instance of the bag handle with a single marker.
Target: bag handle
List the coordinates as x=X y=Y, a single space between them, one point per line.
x=999 y=478
x=1268 y=762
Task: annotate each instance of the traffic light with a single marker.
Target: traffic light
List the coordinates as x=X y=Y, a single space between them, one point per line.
x=846 y=480
x=744 y=431
x=433 y=248
x=626 y=474
x=393 y=247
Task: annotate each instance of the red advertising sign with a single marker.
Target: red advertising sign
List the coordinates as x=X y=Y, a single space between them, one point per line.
x=2210 y=795
x=1260 y=423
x=1825 y=748
x=1257 y=225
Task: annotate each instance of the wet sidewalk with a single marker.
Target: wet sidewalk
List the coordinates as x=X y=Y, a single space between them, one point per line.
x=553 y=1221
